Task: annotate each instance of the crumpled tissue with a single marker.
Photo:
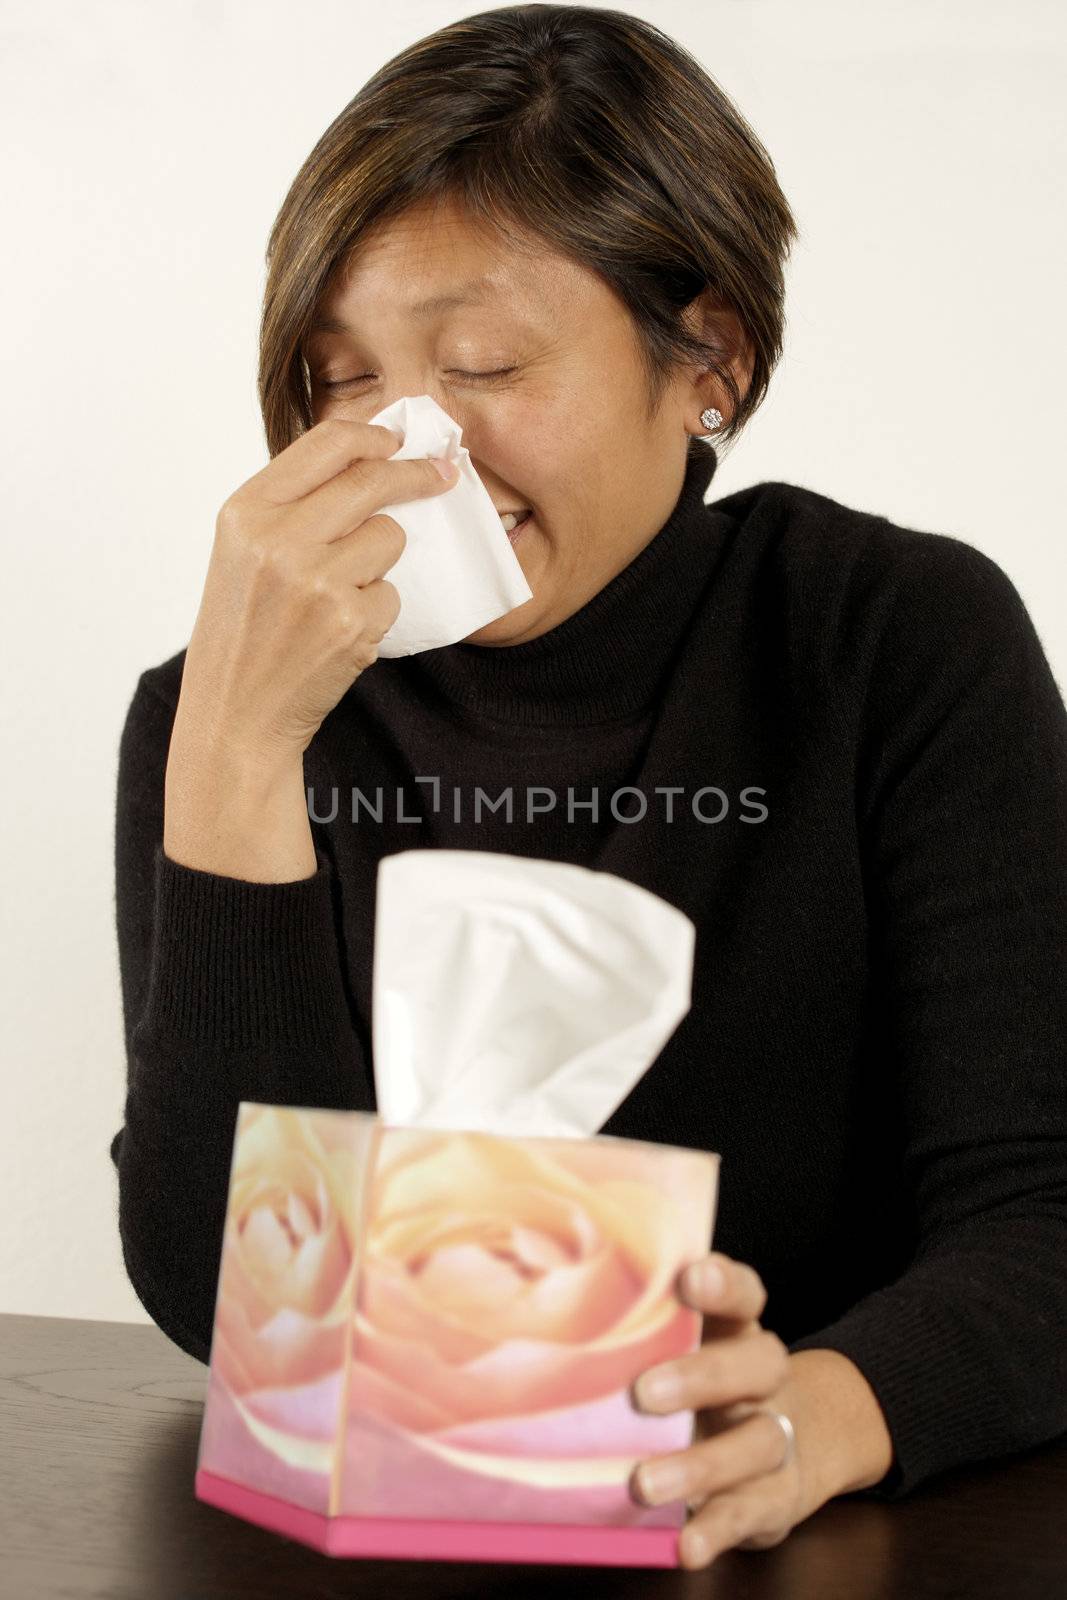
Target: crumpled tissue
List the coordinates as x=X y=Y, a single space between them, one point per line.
x=458 y=570
x=518 y=996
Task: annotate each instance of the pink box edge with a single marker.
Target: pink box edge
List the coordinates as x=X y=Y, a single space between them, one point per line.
x=419 y=1539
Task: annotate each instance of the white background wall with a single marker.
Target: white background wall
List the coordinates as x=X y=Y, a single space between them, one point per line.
x=147 y=148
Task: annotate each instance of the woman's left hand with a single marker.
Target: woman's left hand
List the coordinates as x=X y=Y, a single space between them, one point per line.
x=750 y=1489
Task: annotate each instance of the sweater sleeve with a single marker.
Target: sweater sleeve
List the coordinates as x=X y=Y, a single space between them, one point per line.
x=962 y=811
x=231 y=991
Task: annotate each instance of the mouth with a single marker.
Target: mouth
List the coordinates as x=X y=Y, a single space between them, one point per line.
x=513 y=522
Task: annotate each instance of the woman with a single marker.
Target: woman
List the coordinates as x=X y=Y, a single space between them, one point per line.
x=835 y=743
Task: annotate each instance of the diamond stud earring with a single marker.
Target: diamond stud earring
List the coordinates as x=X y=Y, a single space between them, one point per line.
x=711 y=419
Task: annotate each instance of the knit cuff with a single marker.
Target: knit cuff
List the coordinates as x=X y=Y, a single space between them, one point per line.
x=940 y=1404
x=244 y=964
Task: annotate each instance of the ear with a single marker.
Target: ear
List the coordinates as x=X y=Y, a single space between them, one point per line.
x=712 y=319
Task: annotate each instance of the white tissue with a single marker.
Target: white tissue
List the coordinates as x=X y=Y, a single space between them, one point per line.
x=457 y=571
x=518 y=996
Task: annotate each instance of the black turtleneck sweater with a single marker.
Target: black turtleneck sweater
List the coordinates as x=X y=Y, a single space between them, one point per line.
x=837 y=745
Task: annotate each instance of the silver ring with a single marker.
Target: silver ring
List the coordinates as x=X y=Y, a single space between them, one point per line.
x=790 y=1437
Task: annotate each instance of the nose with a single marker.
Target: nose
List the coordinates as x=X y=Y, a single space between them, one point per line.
x=417 y=382
x=454 y=405
x=464 y=412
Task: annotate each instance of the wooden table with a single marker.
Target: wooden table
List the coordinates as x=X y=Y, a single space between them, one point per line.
x=100 y=1427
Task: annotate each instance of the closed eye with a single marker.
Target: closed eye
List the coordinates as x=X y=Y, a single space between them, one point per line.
x=364 y=377
x=500 y=372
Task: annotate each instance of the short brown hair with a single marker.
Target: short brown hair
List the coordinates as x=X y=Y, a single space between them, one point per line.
x=591 y=129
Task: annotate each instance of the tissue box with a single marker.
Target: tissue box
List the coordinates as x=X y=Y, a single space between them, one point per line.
x=424 y=1339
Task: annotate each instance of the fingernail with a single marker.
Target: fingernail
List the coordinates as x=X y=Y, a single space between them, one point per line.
x=705 y=1279
x=447 y=469
x=661 y=1480
x=656 y=1389
x=694 y=1549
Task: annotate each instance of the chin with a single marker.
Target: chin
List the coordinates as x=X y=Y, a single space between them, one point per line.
x=525 y=621
x=511 y=628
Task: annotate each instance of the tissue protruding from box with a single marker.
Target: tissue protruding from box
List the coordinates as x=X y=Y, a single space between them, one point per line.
x=517 y=995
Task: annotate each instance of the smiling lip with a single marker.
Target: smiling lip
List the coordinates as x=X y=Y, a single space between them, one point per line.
x=513 y=533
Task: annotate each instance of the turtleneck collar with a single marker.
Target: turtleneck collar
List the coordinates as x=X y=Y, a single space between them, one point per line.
x=605 y=663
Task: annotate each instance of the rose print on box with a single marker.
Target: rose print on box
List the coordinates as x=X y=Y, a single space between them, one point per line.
x=424 y=1340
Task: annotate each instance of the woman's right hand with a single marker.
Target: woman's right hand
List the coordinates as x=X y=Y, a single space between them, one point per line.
x=294 y=607
x=296 y=601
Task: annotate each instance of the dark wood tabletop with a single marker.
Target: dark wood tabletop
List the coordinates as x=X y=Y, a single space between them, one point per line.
x=99 y=1428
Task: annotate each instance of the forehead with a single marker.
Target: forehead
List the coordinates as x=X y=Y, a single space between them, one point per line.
x=433 y=261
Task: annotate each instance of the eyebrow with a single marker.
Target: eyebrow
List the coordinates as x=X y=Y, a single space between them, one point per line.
x=471 y=293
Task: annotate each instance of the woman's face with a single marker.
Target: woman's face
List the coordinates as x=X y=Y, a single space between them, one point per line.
x=563 y=432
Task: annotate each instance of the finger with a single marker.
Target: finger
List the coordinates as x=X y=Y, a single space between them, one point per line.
x=756 y=1516
x=316 y=456
x=748 y=1367
x=348 y=500
x=381 y=607
x=707 y=1424
x=749 y=1449
x=723 y=1288
x=367 y=554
